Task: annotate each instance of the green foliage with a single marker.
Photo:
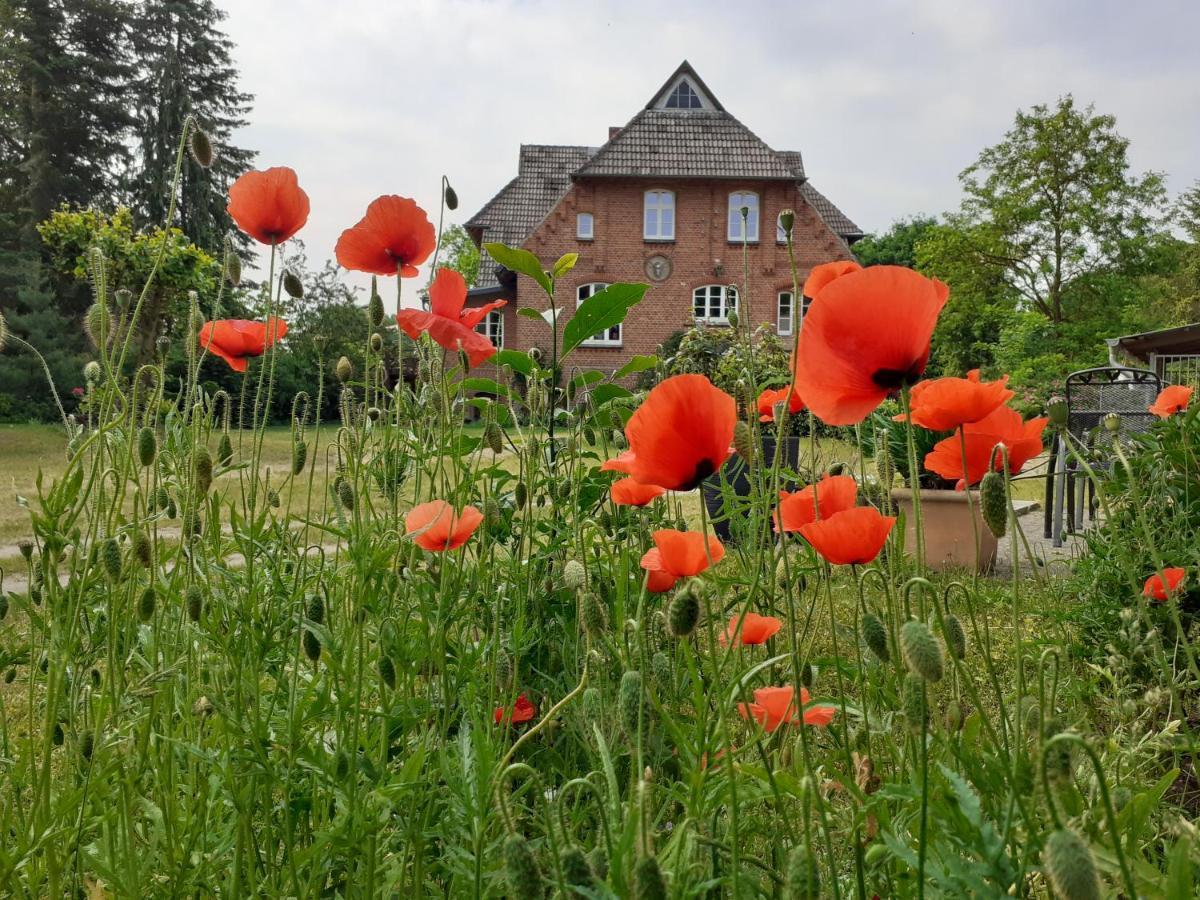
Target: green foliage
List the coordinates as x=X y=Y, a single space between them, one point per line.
x=897 y=246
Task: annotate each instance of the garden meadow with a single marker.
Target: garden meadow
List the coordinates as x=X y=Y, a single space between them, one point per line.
x=479 y=636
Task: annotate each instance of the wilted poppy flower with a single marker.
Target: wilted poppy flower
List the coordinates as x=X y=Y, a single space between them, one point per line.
x=658 y=578
x=821 y=275
x=853 y=536
x=521 y=711
x=681 y=434
x=1173 y=399
x=1003 y=425
x=235 y=340
x=865 y=337
x=269 y=206
x=945 y=404
x=447 y=322
x=831 y=495
x=755 y=629
x=775 y=706
x=684 y=553
x=1162 y=585
x=768 y=399
x=394 y=237
x=436 y=526
x=628 y=492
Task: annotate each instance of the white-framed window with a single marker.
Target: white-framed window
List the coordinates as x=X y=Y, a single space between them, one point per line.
x=609 y=338
x=492 y=328
x=749 y=200
x=659 y=218
x=684 y=97
x=783 y=320
x=585 y=226
x=780 y=232
x=712 y=303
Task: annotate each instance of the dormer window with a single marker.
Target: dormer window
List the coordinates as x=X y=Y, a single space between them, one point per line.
x=684 y=97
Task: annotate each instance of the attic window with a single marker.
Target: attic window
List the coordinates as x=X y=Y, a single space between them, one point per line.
x=684 y=97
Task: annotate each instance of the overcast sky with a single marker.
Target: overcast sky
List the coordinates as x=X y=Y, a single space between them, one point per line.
x=888 y=101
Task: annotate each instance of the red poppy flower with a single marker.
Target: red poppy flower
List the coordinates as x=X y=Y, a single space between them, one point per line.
x=775 y=706
x=623 y=462
x=235 y=340
x=1173 y=399
x=394 y=237
x=628 y=492
x=945 y=404
x=269 y=206
x=865 y=337
x=826 y=272
x=658 y=578
x=832 y=494
x=436 y=526
x=768 y=399
x=681 y=434
x=684 y=553
x=447 y=322
x=853 y=536
x=1003 y=425
x=521 y=711
x=755 y=629
x=1162 y=585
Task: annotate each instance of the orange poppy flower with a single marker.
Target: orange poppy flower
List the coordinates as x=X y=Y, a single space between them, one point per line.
x=521 y=711
x=684 y=553
x=658 y=578
x=821 y=275
x=1173 y=399
x=775 y=706
x=393 y=238
x=945 y=404
x=447 y=322
x=768 y=399
x=853 y=536
x=236 y=340
x=436 y=526
x=269 y=206
x=681 y=434
x=623 y=462
x=755 y=629
x=865 y=337
x=628 y=492
x=832 y=494
x=1163 y=585
x=1003 y=425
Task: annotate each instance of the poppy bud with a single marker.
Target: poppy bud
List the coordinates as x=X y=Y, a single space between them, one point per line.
x=343 y=370
x=273 y=498
x=311 y=644
x=233 y=267
x=660 y=665
x=345 y=493
x=192 y=526
x=97 y=324
x=1057 y=411
x=376 y=342
x=201 y=148
x=504 y=669
x=921 y=651
x=111 y=554
x=59 y=736
x=575 y=868
x=147 y=446
x=808 y=673
x=631 y=702
x=451 y=197
x=26 y=547
x=146 y=604
x=593 y=614
x=803 y=877
x=993 y=503
x=91 y=371
x=521 y=868
x=203 y=470
x=143 y=551
x=648 y=881
x=956 y=638
x=954 y=717
x=225 y=450
x=732 y=317
x=1112 y=422
x=1070 y=867
x=573 y=575
x=299 y=457
x=293 y=285
x=875 y=636
x=87 y=745
x=912 y=702
x=195 y=602
x=161 y=497
x=491 y=513
x=684 y=613
x=375 y=306
x=493 y=438
x=520 y=495
x=787 y=220
x=743 y=441
x=387 y=671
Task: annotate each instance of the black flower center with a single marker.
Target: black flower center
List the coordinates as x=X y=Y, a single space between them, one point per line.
x=704 y=468
x=893 y=380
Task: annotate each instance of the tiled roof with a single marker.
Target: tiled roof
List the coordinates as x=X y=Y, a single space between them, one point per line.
x=794 y=161
x=672 y=143
x=544 y=175
x=839 y=223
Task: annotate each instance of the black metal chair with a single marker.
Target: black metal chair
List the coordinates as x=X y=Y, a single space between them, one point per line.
x=1092 y=394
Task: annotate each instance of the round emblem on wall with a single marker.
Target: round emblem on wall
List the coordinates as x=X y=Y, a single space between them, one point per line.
x=658 y=268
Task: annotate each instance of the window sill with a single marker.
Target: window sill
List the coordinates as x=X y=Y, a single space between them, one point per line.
x=721 y=323
x=737 y=242
x=586 y=240
x=602 y=345
x=653 y=240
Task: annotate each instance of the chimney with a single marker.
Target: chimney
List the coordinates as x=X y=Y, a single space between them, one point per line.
x=613 y=131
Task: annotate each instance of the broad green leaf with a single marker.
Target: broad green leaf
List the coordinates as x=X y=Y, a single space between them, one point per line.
x=530 y=313
x=583 y=379
x=565 y=264
x=517 y=260
x=603 y=393
x=1179 y=884
x=637 y=364
x=484 y=386
x=599 y=312
x=521 y=362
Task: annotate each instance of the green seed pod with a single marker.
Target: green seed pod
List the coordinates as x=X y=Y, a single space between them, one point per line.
x=787 y=221
x=373 y=413
x=1070 y=867
x=648 y=881
x=631 y=701
x=1058 y=411
x=875 y=636
x=293 y=285
x=147 y=445
x=233 y=267
x=803 y=876
x=299 y=457
x=316 y=609
x=921 y=651
x=195 y=602
x=743 y=441
x=954 y=716
x=11 y=675
x=376 y=342
x=87 y=745
x=912 y=700
x=521 y=868
x=574 y=576
x=993 y=504
x=26 y=547
x=344 y=369
x=956 y=638
x=593 y=614
x=225 y=450
x=203 y=470
x=311 y=644
x=387 y=671
x=684 y=613
x=575 y=868
x=111 y=554
x=375 y=307
x=345 y=493
x=451 y=197
x=660 y=665
x=493 y=438
x=1112 y=422
x=143 y=550
x=147 y=603
x=520 y=495
x=838 y=468
x=201 y=148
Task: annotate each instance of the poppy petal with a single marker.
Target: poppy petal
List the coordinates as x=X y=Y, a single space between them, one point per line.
x=682 y=433
x=852 y=537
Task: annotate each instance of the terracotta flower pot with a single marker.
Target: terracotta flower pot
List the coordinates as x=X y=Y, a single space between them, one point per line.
x=949 y=537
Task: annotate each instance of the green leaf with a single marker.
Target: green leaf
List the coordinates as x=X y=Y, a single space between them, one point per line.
x=583 y=379
x=521 y=362
x=1179 y=871
x=517 y=260
x=484 y=386
x=530 y=313
x=637 y=364
x=605 y=392
x=599 y=312
x=565 y=264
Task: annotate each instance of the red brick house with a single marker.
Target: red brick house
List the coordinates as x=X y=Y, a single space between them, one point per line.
x=658 y=203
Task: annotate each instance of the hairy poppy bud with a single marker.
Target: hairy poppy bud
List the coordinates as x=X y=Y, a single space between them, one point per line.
x=1057 y=411
x=954 y=716
x=316 y=609
x=376 y=342
x=660 y=665
x=233 y=267
x=111 y=554
x=343 y=370
x=97 y=324
x=59 y=736
x=743 y=441
x=345 y=493
x=273 y=498
x=311 y=644
x=787 y=220
x=875 y=636
x=803 y=877
x=201 y=148
x=387 y=671
x=956 y=637
x=732 y=318
x=912 y=702
x=520 y=495
x=574 y=863
x=491 y=513
x=631 y=702
x=451 y=197
x=521 y=868
x=225 y=450
x=504 y=669
x=143 y=551
x=993 y=503
x=161 y=498
x=293 y=285
x=684 y=613
x=921 y=651
x=375 y=307
x=91 y=371
x=648 y=881
x=147 y=603
x=299 y=457
x=195 y=602
x=203 y=470
x=493 y=438
x=1070 y=866
x=124 y=298
x=373 y=413
x=203 y=708
x=574 y=576
x=87 y=745
x=1112 y=422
